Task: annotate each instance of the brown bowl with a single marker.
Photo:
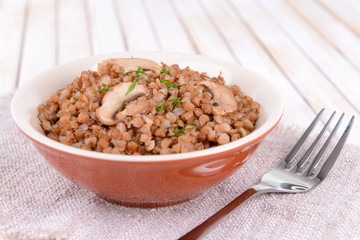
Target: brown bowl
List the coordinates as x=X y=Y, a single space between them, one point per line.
x=152 y=180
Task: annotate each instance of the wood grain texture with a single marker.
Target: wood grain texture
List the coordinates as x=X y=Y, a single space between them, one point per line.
x=330 y=28
x=105 y=31
x=252 y=55
x=346 y=11
x=322 y=54
x=170 y=33
x=39 y=40
x=305 y=76
x=12 y=23
x=138 y=28
x=73 y=32
x=206 y=38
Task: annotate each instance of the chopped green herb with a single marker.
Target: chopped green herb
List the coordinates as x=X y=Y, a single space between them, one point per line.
x=76 y=99
x=178 y=132
x=160 y=107
x=132 y=86
x=182 y=130
x=176 y=101
x=205 y=90
x=127 y=73
x=124 y=103
x=170 y=85
x=104 y=89
x=193 y=124
x=165 y=71
x=137 y=72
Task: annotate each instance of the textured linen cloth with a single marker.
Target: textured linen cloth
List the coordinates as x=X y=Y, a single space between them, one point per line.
x=38 y=203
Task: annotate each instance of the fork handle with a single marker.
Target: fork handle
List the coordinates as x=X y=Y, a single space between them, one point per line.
x=202 y=229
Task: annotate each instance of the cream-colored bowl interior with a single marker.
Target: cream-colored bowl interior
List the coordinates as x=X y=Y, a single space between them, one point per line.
x=39 y=89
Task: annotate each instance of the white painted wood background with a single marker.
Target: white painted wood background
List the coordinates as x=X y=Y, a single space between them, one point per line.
x=309 y=49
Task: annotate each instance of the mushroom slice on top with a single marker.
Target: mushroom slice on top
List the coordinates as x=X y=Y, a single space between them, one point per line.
x=139 y=106
x=130 y=64
x=223 y=97
x=113 y=102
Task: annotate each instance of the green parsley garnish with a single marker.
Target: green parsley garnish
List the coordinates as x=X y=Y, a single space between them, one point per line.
x=132 y=86
x=193 y=124
x=104 y=89
x=137 y=72
x=170 y=85
x=165 y=71
x=176 y=101
x=182 y=130
x=124 y=103
x=76 y=99
x=178 y=132
x=205 y=90
x=160 y=107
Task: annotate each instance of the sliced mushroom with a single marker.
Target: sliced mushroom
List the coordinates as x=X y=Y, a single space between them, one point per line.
x=130 y=64
x=114 y=100
x=223 y=97
x=139 y=106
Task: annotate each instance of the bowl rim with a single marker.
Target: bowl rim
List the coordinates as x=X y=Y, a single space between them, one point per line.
x=244 y=142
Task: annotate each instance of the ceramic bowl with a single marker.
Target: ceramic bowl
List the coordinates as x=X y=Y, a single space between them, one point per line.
x=147 y=181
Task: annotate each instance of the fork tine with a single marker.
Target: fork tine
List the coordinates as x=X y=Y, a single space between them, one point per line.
x=296 y=149
x=304 y=159
x=315 y=163
x=329 y=163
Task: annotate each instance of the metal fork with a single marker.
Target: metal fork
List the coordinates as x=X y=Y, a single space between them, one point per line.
x=287 y=176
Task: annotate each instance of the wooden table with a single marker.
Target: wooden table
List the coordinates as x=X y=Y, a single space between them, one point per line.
x=309 y=49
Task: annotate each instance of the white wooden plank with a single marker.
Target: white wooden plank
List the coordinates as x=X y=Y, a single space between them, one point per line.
x=317 y=90
x=73 y=34
x=307 y=78
x=12 y=15
x=137 y=27
x=334 y=31
x=321 y=53
x=171 y=34
x=252 y=55
x=39 y=40
x=354 y=4
x=104 y=28
x=207 y=39
x=345 y=12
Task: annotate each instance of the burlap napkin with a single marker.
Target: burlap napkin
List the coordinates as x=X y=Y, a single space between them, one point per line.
x=37 y=203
